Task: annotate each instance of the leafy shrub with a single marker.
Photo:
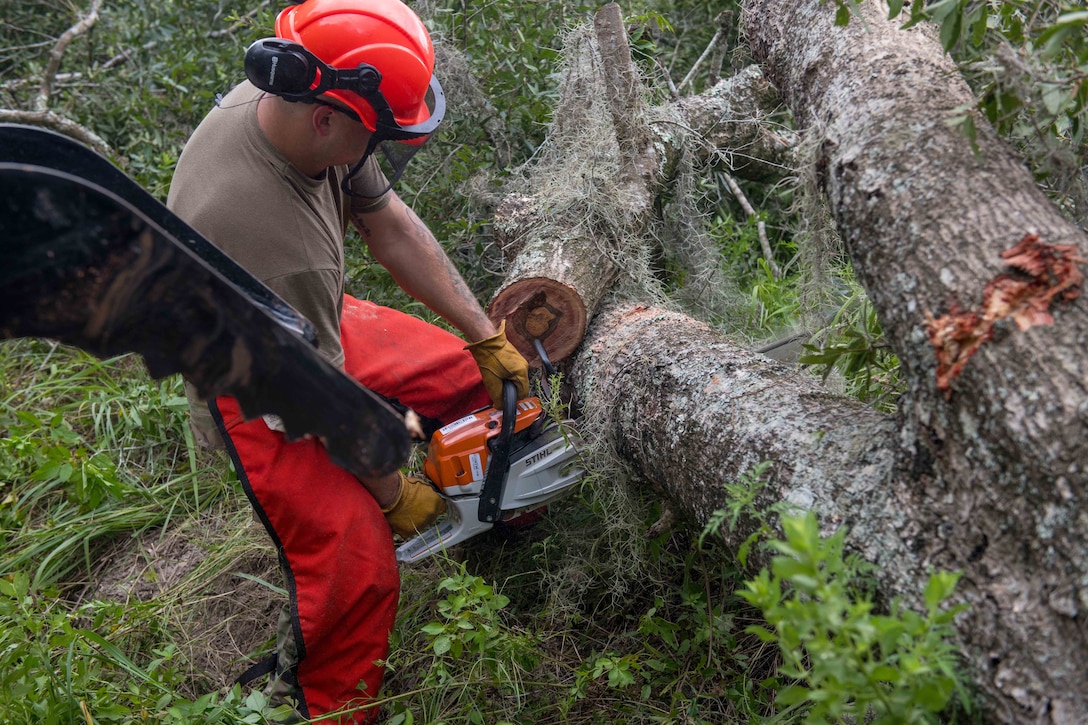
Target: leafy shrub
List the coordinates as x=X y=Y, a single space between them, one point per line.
x=840 y=657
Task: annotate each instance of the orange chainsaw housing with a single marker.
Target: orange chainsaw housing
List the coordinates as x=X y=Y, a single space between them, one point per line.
x=458 y=453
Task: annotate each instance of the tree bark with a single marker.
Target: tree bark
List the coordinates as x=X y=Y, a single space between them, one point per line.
x=983 y=470
x=999 y=455
x=731 y=118
x=564 y=259
x=691 y=410
x=557 y=277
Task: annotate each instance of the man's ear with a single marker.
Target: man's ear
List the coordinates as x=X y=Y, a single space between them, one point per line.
x=321 y=119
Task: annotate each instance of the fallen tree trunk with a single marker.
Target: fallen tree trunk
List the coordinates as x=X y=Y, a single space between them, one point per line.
x=565 y=253
x=691 y=410
x=997 y=441
x=984 y=469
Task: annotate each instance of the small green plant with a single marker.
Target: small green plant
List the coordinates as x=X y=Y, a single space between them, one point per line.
x=770 y=301
x=619 y=671
x=854 y=345
x=473 y=654
x=60 y=666
x=469 y=624
x=840 y=658
x=50 y=452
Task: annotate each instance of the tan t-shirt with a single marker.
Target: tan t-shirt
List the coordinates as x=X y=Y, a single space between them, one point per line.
x=287 y=229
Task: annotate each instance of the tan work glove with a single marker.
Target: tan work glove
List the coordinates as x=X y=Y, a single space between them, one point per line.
x=498 y=361
x=416 y=508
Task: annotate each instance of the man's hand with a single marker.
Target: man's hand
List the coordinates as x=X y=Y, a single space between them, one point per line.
x=416 y=507
x=499 y=360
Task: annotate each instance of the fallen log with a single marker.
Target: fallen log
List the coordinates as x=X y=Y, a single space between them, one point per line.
x=975 y=275
x=983 y=470
x=566 y=254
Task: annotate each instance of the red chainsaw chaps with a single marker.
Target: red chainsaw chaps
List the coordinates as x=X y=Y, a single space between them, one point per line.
x=409 y=360
x=341 y=571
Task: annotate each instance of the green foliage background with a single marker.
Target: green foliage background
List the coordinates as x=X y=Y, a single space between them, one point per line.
x=96 y=460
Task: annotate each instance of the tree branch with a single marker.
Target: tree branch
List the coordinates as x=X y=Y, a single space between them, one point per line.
x=640 y=162
x=761 y=227
x=240 y=23
x=712 y=47
x=41 y=102
x=48 y=119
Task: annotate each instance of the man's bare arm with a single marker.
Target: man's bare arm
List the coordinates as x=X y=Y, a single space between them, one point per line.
x=403 y=244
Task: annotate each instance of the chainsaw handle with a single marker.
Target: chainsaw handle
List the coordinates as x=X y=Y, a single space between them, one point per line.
x=509 y=408
x=499 y=460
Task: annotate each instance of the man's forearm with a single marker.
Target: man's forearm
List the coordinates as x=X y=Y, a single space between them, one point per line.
x=403 y=244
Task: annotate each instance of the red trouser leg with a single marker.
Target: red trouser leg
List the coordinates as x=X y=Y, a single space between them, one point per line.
x=341 y=572
x=411 y=361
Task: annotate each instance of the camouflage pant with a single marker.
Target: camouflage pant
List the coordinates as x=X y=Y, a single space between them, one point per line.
x=282 y=686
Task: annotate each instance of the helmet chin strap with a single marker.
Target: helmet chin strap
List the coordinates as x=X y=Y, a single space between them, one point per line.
x=371 y=146
x=345 y=183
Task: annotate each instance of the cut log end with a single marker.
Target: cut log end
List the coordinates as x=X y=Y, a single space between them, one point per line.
x=539 y=308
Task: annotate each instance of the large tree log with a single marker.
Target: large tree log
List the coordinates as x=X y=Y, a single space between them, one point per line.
x=692 y=410
x=557 y=279
x=1000 y=452
x=984 y=468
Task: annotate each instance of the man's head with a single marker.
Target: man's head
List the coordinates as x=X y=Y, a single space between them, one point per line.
x=373 y=57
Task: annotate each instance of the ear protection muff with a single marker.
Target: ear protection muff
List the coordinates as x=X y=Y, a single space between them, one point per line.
x=292 y=72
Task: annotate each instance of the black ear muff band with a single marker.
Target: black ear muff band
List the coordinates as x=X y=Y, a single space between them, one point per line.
x=292 y=72
x=283 y=69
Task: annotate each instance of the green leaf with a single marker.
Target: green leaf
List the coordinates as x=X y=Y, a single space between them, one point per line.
x=935 y=693
x=792 y=695
x=842 y=15
x=885 y=673
x=894 y=8
x=951 y=27
x=746 y=546
x=1055 y=98
x=979 y=24
x=1064 y=23
x=764 y=635
x=620 y=677
x=256 y=701
x=940 y=586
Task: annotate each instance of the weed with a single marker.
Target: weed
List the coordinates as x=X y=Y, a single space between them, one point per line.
x=854 y=345
x=842 y=658
x=476 y=663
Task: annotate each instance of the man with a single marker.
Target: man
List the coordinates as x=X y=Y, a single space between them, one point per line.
x=273 y=176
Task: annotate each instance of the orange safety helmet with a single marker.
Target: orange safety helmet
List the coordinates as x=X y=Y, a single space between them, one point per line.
x=385 y=35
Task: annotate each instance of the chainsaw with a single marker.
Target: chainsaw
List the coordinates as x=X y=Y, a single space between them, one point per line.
x=492 y=466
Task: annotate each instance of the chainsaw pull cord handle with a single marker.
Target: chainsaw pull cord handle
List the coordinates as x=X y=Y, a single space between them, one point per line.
x=499 y=460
